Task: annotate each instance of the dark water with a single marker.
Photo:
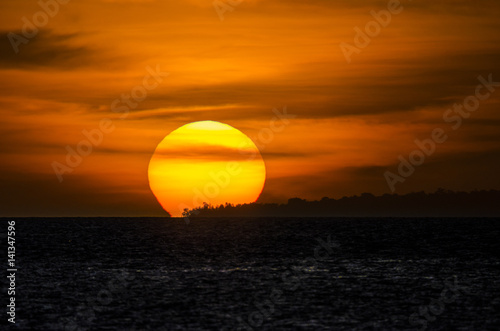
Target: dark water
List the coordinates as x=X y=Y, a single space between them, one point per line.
x=269 y=274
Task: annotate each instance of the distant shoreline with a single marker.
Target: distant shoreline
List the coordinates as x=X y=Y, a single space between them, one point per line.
x=441 y=203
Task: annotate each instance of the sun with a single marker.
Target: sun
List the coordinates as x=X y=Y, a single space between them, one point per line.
x=205 y=162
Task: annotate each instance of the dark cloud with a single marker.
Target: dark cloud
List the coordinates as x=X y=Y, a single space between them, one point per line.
x=463 y=171
x=205 y=152
x=45 y=50
x=335 y=183
x=404 y=86
x=35 y=194
x=464 y=7
x=288 y=154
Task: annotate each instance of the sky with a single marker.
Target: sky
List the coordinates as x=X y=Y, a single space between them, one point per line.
x=354 y=102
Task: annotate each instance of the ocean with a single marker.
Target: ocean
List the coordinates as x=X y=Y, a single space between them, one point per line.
x=256 y=274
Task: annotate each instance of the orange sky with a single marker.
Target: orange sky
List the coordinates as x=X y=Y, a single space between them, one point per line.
x=352 y=120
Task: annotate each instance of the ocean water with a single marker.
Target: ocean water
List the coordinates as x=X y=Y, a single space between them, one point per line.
x=257 y=274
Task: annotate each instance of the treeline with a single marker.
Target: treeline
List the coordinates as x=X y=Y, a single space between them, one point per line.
x=443 y=203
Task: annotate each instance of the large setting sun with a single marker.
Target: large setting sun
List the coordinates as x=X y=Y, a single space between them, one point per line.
x=205 y=162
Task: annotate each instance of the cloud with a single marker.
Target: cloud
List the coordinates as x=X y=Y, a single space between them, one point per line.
x=49 y=50
x=34 y=194
x=205 y=152
x=46 y=49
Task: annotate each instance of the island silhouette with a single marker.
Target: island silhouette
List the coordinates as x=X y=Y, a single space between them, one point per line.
x=441 y=203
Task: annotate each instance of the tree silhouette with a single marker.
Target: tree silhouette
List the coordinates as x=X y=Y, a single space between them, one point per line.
x=444 y=203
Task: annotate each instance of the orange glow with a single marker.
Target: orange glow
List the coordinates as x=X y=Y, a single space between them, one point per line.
x=208 y=162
